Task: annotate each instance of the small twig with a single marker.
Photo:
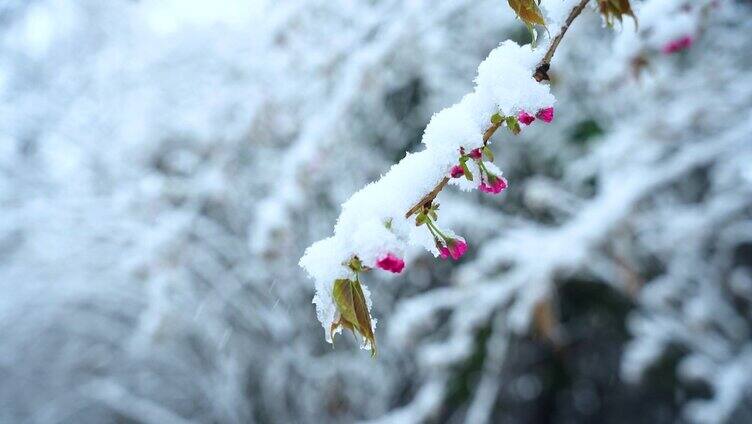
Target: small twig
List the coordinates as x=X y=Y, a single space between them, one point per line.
x=490 y=132
x=426 y=200
x=541 y=73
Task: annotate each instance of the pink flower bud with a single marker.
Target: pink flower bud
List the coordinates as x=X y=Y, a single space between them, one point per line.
x=392 y=263
x=525 y=118
x=457 y=248
x=457 y=171
x=454 y=248
x=497 y=185
x=678 y=45
x=475 y=153
x=546 y=115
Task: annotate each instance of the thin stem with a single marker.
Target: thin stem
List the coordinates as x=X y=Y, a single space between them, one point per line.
x=435 y=228
x=482 y=166
x=541 y=73
x=430 y=229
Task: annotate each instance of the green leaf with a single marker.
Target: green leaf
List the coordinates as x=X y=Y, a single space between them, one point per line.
x=363 y=316
x=466 y=171
x=353 y=310
x=488 y=153
x=420 y=219
x=513 y=124
x=343 y=297
x=496 y=119
x=528 y=11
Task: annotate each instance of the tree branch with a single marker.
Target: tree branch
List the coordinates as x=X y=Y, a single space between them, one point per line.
x=541 y=74
x=428 y=198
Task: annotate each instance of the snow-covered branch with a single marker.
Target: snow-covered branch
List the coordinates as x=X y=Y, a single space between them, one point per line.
x=371 y=231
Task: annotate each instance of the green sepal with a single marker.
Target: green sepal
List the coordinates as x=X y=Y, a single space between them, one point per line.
x=513 y=124
x=466 y=170
x=355 y=264
x=496 y=118
x=488 y=153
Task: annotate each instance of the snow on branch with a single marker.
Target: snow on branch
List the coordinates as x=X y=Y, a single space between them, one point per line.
x=373 y=231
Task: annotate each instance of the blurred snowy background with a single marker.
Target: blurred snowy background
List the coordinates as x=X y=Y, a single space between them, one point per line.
x=163 y=164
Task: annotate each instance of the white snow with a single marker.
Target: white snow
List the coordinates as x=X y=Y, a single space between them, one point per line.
x=505 y=85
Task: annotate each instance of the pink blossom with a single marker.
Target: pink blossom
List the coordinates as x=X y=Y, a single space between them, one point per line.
x=444 y=252
x=475 y=153
x=678 y=45
x=391 y=262
x=525 y=118
x=546 y=115
x=457 y=171
x=497 y=185
x=454 y=248
x=457 y=248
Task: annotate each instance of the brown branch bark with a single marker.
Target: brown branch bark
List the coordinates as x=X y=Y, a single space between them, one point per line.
x=541 y=74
